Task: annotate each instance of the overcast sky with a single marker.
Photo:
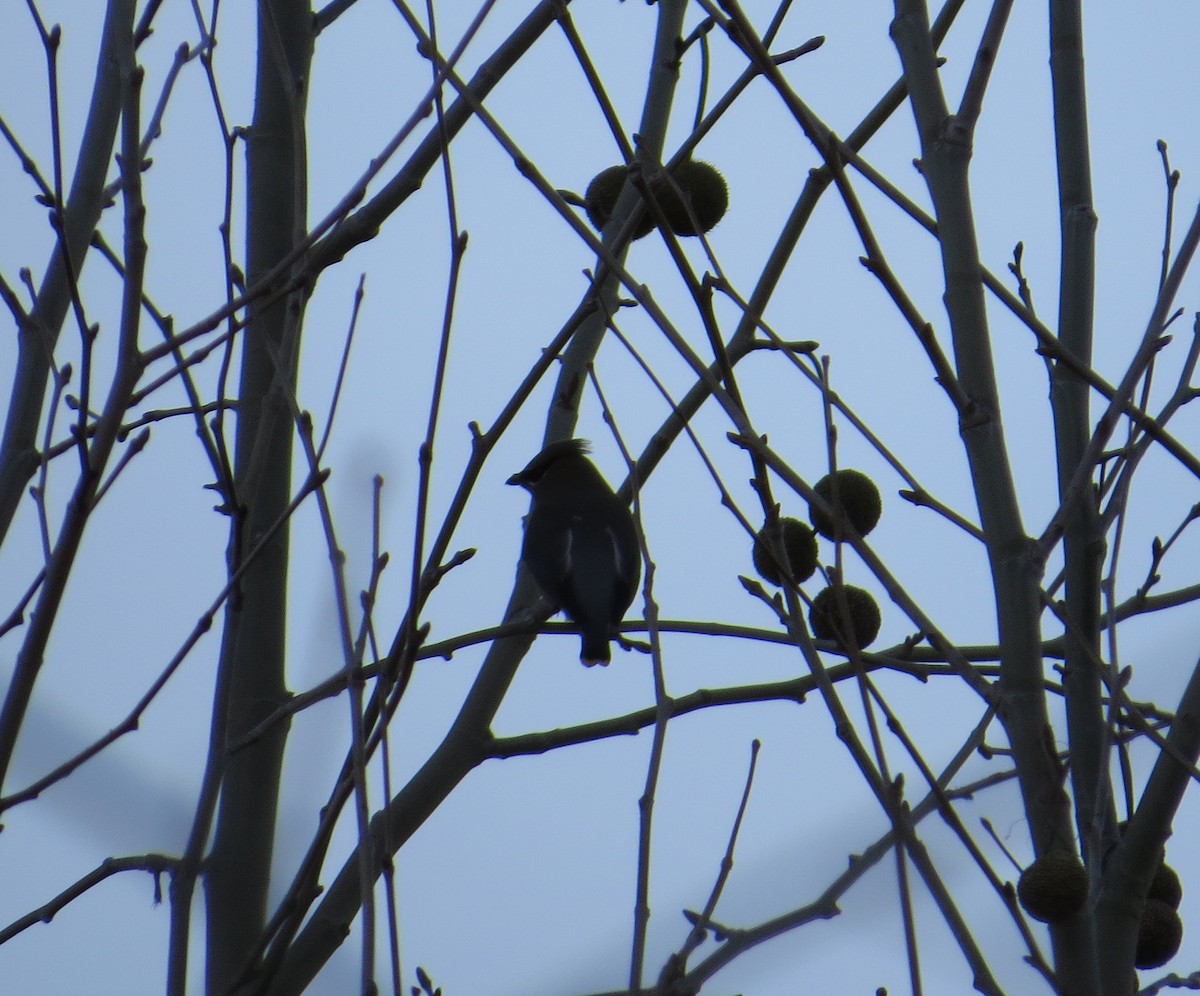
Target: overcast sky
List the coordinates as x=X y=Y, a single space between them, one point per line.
x=522 y=884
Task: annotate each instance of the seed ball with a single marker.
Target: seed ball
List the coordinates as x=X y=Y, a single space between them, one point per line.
x=858 y=503
x=799 y=543
x=828 y=623
x=1053 y=888
x=1159 y=935
x=1166 y=886
x=601 y=196
x=703 y=187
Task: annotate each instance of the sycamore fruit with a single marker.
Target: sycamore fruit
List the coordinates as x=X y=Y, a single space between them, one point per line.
x=799 y=544
x=1053 y=888
x=703 y=203
x=703 y=189
x=1159 y=935
x=1166 y=886
x=829 y=622
x=854 y=499
x=601 y=196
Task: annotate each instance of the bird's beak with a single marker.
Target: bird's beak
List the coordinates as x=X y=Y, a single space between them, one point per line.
x=516 y=479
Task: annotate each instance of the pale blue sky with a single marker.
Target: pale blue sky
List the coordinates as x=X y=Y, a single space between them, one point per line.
x=522 y=883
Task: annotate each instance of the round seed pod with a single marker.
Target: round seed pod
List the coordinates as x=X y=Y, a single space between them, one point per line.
x=828 y=623
x=601 y=196
x=703 y=187
x=799 y=543
x=1159 y=936
x=1166 y=886
x=1053 y=888
x=858 y=503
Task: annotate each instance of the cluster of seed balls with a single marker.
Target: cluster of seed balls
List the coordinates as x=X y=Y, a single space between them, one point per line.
x=704 y=202
x=854 y=501
x=1055 y=886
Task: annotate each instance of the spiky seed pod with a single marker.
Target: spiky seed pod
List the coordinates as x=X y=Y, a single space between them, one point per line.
x=1166 y=886
x=1159 y=936
x=828 y=623
x=601 y=196
x=858 y=503
x=1053 y=888
x=703 y=187
x=799 y=543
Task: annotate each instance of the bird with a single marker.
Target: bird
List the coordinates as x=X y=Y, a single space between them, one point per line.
x=580 y=543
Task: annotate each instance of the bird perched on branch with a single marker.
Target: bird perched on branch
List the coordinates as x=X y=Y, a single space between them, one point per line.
x=580 y=543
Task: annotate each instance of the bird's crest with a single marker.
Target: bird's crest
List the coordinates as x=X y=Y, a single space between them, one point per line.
x=542 y=462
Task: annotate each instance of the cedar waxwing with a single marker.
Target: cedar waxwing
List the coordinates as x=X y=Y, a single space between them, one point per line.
x=580 y=543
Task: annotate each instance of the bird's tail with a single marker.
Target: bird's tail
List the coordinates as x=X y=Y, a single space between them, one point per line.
x=595 y=649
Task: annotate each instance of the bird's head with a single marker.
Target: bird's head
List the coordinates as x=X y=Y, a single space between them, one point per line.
x=570 y=450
